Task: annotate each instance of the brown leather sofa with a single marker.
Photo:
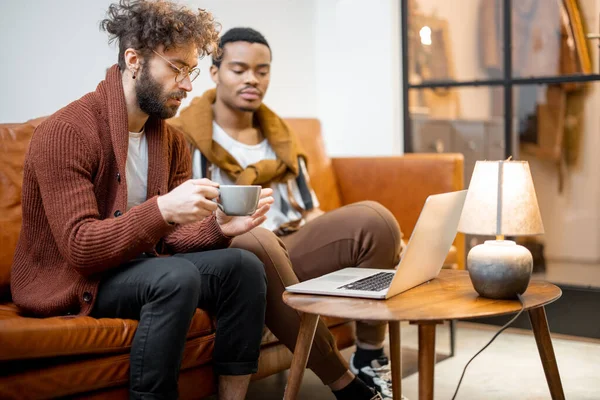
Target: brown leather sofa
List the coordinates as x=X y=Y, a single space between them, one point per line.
x=88 y=358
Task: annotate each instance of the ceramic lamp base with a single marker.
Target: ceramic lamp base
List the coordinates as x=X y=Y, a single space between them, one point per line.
x=499 y=269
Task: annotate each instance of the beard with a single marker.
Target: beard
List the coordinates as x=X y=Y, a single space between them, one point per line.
x=248 y=109
x=151 y=98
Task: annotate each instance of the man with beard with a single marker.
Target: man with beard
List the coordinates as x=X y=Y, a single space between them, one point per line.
x=236 y=139
x=106 y=191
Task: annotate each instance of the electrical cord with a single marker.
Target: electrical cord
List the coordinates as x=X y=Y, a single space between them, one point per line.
x=490 y=342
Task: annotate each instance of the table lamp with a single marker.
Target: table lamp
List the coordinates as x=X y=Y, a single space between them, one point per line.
x=500 y=201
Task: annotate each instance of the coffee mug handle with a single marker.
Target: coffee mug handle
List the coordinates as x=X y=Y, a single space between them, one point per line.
x=219 y=204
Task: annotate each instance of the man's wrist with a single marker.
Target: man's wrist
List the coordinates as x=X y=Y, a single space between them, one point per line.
x=164 y=210
x=220 y=227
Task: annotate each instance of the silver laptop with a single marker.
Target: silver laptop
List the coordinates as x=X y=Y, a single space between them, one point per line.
x=422 y=261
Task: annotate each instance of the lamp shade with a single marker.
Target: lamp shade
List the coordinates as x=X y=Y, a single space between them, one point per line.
x=501 y=200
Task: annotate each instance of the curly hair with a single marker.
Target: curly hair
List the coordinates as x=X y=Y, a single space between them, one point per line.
x=144 y=25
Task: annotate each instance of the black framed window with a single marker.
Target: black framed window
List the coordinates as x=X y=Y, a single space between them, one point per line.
x=510 y=69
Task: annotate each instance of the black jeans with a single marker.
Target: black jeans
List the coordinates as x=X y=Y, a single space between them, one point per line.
x=163 y=294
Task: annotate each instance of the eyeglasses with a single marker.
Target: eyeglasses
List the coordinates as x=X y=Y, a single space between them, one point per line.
x=181 y=72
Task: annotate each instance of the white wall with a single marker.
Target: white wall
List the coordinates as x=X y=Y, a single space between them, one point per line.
x=326 y=63
x=54 y=52
x=358 y=76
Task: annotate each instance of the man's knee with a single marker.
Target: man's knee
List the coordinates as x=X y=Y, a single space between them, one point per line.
x=378 y=219
x=252 y=268
x=247 y=271
x=261 y=242
x=181 y=277
x=271 y=251
x=380 y=228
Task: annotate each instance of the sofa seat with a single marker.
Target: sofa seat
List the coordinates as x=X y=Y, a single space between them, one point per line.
x=68 y=375
x=24 y=338
x=54 y=355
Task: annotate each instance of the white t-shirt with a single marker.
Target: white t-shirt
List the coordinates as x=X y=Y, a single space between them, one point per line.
x=137 y=169
x=251 y=154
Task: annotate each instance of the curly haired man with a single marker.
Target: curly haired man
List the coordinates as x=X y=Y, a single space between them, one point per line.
x=114 y=228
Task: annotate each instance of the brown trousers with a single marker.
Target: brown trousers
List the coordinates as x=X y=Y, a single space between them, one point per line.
x=363 y=234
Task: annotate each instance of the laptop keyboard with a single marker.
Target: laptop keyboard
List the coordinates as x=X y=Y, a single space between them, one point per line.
x=373 y=283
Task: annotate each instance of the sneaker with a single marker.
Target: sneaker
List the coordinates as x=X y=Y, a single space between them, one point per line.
x=378 y=375
x=357 y=389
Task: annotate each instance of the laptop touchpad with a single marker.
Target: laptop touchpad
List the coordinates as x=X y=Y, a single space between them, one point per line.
x=336 y=278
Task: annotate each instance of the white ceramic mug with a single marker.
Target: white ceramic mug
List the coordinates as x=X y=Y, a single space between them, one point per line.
x=238 y=200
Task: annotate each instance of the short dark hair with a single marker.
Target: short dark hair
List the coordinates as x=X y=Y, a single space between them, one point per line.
x=238 y=35
x=144 y=25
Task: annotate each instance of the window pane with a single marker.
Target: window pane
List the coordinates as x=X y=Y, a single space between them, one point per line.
x=551 y=119
x=467 y=42
x=447 y=41
x=460 y=120
x=549 y=37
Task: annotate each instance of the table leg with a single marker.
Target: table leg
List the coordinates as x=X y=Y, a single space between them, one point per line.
x=308 y=326
x=426 y=360
x=452 y=337
x=396 y=359
x=539 y=323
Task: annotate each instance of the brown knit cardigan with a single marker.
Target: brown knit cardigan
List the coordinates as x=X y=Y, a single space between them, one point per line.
x=75 y=226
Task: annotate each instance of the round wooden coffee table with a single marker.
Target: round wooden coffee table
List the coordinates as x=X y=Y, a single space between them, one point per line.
x=450 y=296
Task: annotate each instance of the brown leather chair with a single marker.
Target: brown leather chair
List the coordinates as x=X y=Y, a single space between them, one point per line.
x=89 y=358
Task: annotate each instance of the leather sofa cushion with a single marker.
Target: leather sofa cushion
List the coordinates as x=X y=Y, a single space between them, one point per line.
x=14 y=139
x=28 y=338
x=320 y=169
x=89 y=374
x=408 y=181
x=451 y=260
x=112 y=371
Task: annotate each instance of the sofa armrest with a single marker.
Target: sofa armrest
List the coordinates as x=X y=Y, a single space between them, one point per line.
x=401 y=184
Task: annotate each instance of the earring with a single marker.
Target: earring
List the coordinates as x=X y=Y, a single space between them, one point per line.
x=133 y=76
